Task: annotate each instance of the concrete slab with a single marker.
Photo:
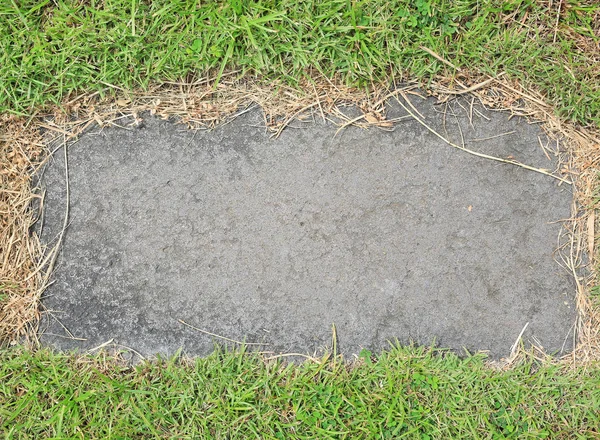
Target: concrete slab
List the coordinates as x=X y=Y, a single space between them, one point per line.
x=386 y=234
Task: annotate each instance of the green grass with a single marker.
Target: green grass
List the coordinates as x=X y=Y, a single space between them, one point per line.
x=49 y=49
x=407 y=392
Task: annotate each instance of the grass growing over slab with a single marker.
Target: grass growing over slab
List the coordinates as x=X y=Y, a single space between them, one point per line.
x=49 y=49
x=406 y=393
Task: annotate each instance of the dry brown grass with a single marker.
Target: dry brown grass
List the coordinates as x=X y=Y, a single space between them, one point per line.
x=26 y=264
x=21 y=150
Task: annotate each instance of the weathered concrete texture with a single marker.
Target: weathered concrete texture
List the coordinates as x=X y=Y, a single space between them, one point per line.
x=387 y=234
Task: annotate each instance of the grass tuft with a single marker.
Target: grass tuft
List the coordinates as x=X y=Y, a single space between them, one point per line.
x=50 y=50
x=413 y=392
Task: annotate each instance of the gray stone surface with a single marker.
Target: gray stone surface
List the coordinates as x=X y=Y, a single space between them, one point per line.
x=386 y=234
